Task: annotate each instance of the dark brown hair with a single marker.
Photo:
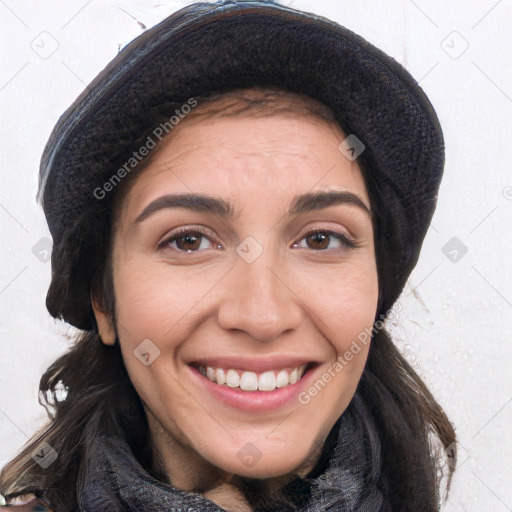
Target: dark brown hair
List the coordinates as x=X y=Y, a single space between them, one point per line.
x=412 y=426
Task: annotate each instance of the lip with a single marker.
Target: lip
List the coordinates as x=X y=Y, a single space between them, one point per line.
x=256 y=401
x=253 y=364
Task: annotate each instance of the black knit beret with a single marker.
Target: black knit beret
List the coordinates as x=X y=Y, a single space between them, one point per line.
x=210 y=47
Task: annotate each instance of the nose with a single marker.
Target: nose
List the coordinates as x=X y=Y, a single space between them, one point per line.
x=259 y=300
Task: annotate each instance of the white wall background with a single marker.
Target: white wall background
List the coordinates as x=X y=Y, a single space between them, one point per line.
x=457 y=315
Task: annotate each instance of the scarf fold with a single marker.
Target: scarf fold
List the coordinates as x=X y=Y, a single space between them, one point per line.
x=346 y=478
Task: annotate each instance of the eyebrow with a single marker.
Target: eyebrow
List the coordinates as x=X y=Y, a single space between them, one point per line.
x=303 y=203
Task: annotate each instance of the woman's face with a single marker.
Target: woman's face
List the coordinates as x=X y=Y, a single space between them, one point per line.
x=244 y=271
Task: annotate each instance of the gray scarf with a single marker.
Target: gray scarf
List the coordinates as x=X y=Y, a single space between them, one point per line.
x=346 y=478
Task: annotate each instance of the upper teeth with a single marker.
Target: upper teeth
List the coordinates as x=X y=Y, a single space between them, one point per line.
x=251 y=381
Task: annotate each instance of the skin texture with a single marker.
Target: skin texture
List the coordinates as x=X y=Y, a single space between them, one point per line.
x=299 y=297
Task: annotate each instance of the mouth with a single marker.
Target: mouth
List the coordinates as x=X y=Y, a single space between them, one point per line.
x=248 y=380
x=253 y=385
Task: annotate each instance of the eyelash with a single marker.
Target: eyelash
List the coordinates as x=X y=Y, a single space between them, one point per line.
x=344 y=240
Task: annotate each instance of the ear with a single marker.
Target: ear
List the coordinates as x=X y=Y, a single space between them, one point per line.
x=105 y=324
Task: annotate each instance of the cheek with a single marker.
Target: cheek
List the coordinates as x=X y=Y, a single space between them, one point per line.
x=346 y=314
x=148 y=310
x=161 y=304
x=153 y=301
x=344 y=301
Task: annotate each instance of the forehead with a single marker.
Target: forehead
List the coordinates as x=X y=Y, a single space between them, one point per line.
x=251 y=159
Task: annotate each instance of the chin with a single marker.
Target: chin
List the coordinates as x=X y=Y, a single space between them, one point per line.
x=268 y=460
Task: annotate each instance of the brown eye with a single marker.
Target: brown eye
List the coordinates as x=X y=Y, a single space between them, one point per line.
x=189 y=241
x=322 y=240
x=318 y=240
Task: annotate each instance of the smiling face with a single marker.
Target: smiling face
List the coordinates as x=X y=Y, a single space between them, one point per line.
x=244 y=263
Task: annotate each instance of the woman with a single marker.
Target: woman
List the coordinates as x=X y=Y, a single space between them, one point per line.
x=236 y=203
